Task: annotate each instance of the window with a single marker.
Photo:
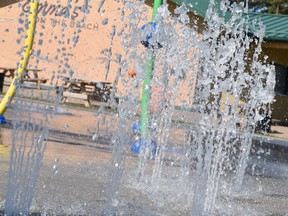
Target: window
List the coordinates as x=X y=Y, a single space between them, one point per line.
x=281 y=86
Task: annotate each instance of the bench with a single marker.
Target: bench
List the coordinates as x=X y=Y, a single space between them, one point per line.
x=93 y=90
x=76 y=96
x=36 y=80
x=10 y=72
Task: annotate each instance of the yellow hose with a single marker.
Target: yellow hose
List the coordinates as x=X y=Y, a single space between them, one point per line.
x=25 y=57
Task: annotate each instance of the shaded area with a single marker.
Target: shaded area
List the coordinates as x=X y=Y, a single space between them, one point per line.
x=4 y=3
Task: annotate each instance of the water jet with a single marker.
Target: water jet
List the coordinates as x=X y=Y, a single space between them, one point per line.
x=207 y=158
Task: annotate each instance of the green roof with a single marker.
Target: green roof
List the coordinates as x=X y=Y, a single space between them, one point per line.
x=276 y=25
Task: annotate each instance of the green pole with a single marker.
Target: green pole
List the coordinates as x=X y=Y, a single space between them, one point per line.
x=146 y=91
x=157 y=4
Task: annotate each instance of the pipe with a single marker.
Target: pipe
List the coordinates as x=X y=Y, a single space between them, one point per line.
x=32 y=19
x=146 y=87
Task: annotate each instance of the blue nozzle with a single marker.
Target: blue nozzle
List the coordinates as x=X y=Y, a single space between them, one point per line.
x=136 y=128
x=2 y=120
x=149 y=30
x=142 y=144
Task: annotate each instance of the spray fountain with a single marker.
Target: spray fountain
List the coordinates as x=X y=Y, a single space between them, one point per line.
x=178 y=137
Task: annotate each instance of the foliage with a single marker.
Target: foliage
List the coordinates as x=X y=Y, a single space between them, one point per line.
x=267 y=6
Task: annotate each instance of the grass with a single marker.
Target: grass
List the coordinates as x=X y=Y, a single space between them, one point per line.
x=271 y=135
x=67 y=104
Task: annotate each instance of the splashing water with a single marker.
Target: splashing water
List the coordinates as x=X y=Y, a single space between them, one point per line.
x=218 y=72
x=30 y=123
x=229 y=70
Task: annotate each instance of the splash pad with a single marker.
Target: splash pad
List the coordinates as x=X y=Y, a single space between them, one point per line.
x=214 y=82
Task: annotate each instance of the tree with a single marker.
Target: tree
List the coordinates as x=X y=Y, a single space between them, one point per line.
x=267 y=6
x=278 y=6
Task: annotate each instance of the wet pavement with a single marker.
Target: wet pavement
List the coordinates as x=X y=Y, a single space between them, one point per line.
x=75 y=174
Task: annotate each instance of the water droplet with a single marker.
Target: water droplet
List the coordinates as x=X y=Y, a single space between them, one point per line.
x=95 y=136
x=66 y=126
x=115 y=202
x=21 y=21
x=105 y=21
x=55 y=169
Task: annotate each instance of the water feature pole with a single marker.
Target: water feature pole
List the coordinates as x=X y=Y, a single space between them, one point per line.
x=26 y=52
x=146 y=88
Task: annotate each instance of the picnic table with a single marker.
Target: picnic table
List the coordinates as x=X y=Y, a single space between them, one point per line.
x=10 y=72
x=86 y=90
